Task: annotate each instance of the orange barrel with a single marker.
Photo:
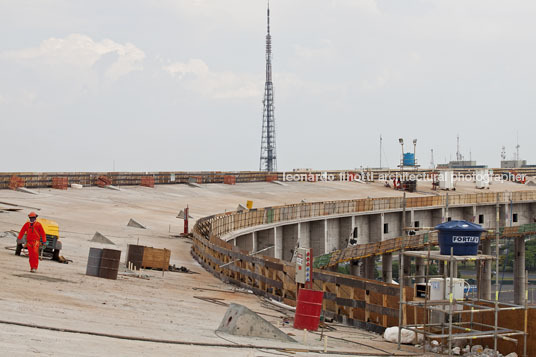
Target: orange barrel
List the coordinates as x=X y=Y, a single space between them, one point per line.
x=308 y=309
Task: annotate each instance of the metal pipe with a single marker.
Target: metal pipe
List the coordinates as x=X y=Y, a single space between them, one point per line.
x=451 y=281
x=497 y=224
x=401 y=267
x=250 y=254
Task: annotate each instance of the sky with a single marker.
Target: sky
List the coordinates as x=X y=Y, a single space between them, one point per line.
x=139 y=85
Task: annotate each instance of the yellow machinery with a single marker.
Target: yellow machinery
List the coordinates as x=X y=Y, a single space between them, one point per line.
x=52 y=232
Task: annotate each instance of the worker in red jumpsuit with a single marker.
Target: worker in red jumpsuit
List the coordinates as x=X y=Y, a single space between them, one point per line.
x=35 y=236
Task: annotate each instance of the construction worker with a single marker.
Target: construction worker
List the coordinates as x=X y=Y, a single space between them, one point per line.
x=35 y=236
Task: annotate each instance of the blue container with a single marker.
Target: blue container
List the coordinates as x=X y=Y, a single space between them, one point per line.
x=409 y=159
x=463 y=236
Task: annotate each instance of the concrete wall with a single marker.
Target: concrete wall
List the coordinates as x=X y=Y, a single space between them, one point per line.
x=245 y=242
x=363 y=228
x=290 y=238
x=455 y=213
x=394 y=222
x=332 y=235
x=469 y=214
x=318 y=236
x=375 y=228
x=488 y=213
x=437 y=216
x=266 y=238
x=524 y=213
x=346 y=228
x=304 y=234
x=278 y=241
x=326 y=235
x=423 y=217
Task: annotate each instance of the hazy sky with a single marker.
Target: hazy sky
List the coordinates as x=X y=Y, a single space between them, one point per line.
x=178 y=85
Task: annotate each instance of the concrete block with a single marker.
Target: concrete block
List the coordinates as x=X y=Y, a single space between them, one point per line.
x=279 y=183
x=194 y=184
x=241 y=207
x=241 y=321
x=135 y=224
x=76 y=185
x=99 y=238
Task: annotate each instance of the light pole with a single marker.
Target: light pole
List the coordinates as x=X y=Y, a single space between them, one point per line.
x=401 y=141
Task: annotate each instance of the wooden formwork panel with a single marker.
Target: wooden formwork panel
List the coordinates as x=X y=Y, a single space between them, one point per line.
x=305 y=210
x=156 y=258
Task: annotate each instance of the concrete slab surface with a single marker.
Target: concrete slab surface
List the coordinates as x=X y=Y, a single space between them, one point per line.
x=163 y=307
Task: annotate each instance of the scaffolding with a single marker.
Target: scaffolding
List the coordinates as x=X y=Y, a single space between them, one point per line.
x=446 y=319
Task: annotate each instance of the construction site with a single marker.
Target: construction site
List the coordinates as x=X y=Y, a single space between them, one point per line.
x=405 y=259
x=238 y=247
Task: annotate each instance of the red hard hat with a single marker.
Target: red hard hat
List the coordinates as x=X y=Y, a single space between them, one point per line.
x=32 y=214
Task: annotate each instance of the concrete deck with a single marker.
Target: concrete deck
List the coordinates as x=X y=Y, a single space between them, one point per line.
x=163 y=307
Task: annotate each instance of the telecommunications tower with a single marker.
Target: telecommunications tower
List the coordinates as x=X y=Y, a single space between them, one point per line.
x=268 y=161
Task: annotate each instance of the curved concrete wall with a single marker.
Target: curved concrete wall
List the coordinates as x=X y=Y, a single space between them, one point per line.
x=326 y=233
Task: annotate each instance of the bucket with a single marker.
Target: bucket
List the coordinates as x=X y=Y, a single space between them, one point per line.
x=308 y=309
x=109 y=264
x=462 y=236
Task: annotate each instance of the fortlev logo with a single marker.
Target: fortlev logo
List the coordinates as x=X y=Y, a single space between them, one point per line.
x=465 y=239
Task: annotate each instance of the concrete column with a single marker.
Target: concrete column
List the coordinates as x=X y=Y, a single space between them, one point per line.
x=382 y=222
x=354 y=268
x=507 y=215
x=333 y=233
x=370 y=266
x=290 y=239
x=278 y=242
x=318 y=236
x=411 y=218
x=254 y=242
x=484 y=288
x=474 y=214
x=407 y=270
x=362 y=271
x=519 y=271
x=304 y=235
x=387 y=268
x=420 y=270
x=265 y=239
x=346 y=228
x=326 y=237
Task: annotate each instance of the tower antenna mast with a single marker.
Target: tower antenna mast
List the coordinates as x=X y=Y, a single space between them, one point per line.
x=268 y=157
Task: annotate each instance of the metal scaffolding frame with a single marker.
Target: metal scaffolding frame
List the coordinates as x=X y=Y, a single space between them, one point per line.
x=455 y=330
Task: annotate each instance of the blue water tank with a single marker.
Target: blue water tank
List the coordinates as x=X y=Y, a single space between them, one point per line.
x=409 y=159
x=462 y=236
